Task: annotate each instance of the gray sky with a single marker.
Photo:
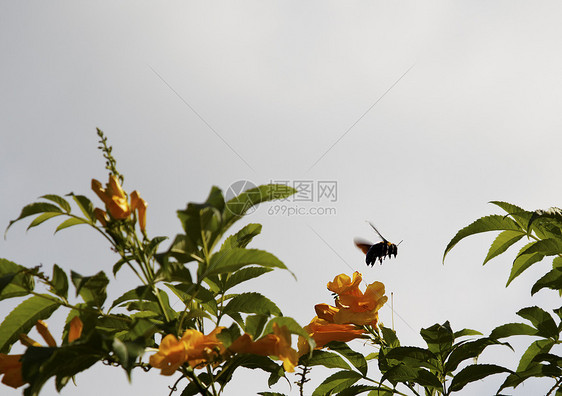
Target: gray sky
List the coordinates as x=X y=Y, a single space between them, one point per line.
x=195 y=94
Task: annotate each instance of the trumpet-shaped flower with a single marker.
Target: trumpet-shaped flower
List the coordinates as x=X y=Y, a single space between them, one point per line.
x=116 y=204
x=10 y=365
x=194 y=347
x=323 y=332
x=277 y=344
x=352 y=305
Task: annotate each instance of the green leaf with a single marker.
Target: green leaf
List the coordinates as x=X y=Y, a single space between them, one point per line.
x=35 y=208
x=403 y=373
x=522 y=262
x=91 y=288
x=251 y=303
x=502 y=242
x=337 y=382
x=138 y=293
x=59 y=282
x=23 y=318
x=255 y=324
x=552 y=214
x=152 y=246
x=14 y=282
x=239 y=205
x=413 y=357
x=290 y=323
x=60 y=201
x=225 y=261
x=242 y=238
x=70 y=222
x=326 y=359
x=85 y=205
x=536 y=348
x=546 y=247
x=551 y=280
x=42 y=218
x=439 y=339
x=355 y=358
x=359 y=389
x=473 y=373
x=468 y=350
x=244 y=275
x=541 y=320
x=466 y=332
x=484 y=224
x=389 y=336
x=535 y=370
x=511 y=329
x=520 y=215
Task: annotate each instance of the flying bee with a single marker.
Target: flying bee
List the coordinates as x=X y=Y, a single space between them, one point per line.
x=378 y=251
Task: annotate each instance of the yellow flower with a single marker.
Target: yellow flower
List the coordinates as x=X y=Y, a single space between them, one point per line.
x=171 y=355
x=323 y=332
x=194 y=347
x=115 y=200
x=113 y=197
x=352 y=305
x=277 y=344
x=10 y=366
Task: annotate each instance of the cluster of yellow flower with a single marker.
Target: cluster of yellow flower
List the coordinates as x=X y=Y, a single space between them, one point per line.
x=353 y=309
x=10 y=365
x=115 y=200
x=343 y=322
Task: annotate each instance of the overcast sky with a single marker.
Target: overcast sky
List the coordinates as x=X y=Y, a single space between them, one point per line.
x=418 y=112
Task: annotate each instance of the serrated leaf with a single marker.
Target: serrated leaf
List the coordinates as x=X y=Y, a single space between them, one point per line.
x=85 y=205
x=439 y=338
x=546 y=247
x=326 y=359
x=535 y=370
x=42 y=218
x=522 y=262
x=413 y=357
x=389 y=336
x=473 y=373
x=59 y=282
x=502 y=242
x=536 y=348
x=225 y=261
x=551 y=280
x=91 y=288
x=355 y=358
x=251 y=303
x=511 y=329
x=244 y=275
x=466 y=332
x=337 y=382
x=138 y=293
x=60 y=201
x=70 y=222
x=541 y=320
x=242 y=238
x=33 y=209
x=483 y=224
x=468 y=350
x=13 y=281
x=403 y=373
x=520 y=215
x=239 y=205
x=23 y=318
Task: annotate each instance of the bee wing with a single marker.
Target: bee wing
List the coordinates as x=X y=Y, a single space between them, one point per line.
x=377 y=231
x=362 y=244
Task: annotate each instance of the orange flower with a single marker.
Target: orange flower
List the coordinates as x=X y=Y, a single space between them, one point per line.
x=193 y=347
x=171 y=354
x=10 y=366
x=276 y=344
x=323 y=332
x=115 y=200
x=352 y=305
x=113 y=197
x=75 y=330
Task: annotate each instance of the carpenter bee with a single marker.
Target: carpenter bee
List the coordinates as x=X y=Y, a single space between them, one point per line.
x=378 y=251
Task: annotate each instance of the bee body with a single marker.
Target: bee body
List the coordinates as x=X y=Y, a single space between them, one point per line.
x=378 y=251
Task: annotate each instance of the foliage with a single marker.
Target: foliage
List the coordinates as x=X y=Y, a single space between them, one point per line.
x=218 y=330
